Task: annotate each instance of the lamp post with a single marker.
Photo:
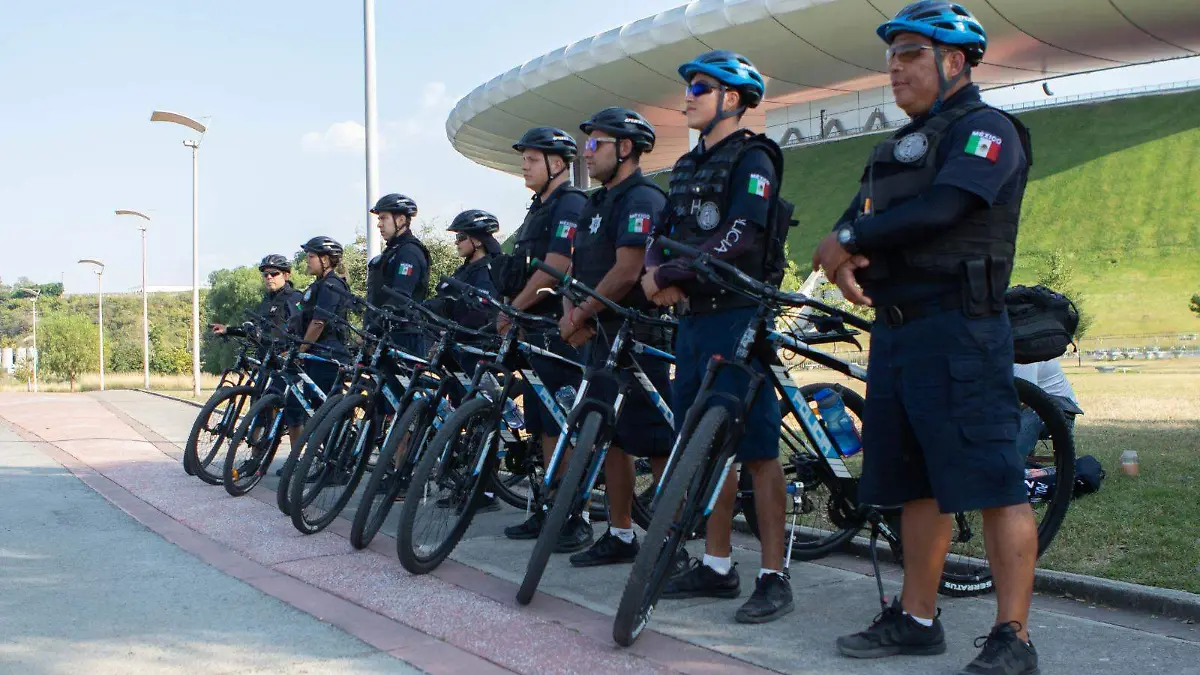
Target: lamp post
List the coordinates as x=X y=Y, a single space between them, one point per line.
x=145 y=311
x=176 y=118
x=372 y=123
x=100 y=291
x=36 y=293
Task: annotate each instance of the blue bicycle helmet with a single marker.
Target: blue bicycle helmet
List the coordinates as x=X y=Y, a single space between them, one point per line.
x=731 y=69
x=947 y=23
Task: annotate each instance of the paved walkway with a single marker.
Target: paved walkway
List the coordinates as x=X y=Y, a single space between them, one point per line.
x=462 y=618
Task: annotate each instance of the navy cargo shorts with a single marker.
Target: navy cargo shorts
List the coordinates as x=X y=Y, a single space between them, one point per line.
x=641 y=430
x=699 y=337
x=942 y=414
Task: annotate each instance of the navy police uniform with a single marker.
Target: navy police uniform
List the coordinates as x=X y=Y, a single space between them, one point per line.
x=403 y=266
x=549 y=227
x=333 y=338
x=617 y=217
x=941 y=413
x=466 y=313
x=727 y=188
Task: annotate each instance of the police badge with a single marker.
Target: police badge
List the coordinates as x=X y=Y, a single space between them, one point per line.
x=710 y=216
x=911 y=148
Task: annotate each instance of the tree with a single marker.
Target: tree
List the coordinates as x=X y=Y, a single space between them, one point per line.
x=1194 y=305
x=1058 y=276
x=68 y=345
x=443 y=254
x=231 y=294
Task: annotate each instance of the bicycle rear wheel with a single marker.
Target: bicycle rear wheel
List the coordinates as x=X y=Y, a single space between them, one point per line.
x=679 y=511
x=214 y=425
x=332 y=464
x=565 y=499
x=412 y=432
x=967 y=572
x=253 y=446
x=296 y=447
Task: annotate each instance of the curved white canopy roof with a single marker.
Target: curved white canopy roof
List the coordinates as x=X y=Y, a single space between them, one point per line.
x=807 y=49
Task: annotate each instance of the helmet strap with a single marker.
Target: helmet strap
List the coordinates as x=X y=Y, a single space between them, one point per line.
x=721 y=112
x=550 y=175
x=944 y=85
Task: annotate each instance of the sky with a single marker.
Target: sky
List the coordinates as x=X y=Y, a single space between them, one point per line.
x=280 y=86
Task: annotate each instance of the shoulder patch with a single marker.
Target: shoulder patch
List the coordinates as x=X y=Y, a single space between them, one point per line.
x=984 y=144
x=404 y=270
x=639 y=223
x=760 y=186
x=565 y=230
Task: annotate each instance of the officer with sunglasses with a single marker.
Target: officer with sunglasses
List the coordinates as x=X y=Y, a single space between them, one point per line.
x=282 y=300
x=721 y=199
x=473 y=241
x=609 y=247
x=929 y=242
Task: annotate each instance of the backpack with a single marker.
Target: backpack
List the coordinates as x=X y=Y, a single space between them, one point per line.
x=779 y=217
x=1043 y=323
x=1088 y=476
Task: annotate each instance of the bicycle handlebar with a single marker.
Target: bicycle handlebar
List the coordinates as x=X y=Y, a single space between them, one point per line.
x=433 y=316
x=487 y=298
x=573 y=284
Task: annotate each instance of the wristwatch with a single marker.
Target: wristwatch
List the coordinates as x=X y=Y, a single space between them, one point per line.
x=846 y=237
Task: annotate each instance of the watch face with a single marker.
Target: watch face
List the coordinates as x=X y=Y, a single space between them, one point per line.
x=844 y=236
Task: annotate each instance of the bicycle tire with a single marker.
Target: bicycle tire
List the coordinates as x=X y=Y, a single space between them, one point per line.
x=652 y=566
x=441 y=455
x=283 y=489
x=556 y=519
x=238 y=478
x=339 y=462
x=828 y=540
x=978 y=581
x=503 y=481
x=376 y=502
x=191 y=458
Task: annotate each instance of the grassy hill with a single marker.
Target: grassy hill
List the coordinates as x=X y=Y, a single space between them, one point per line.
x=1115 y=185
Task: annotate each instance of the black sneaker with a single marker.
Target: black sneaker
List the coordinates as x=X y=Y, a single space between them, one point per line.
x=1003 y=653
x=530 y=529
x=487 y=504
x=279 y=472
x=575 y=536
x=701 y=581
x=894 y=633
x=608 y=550
x=772 y=598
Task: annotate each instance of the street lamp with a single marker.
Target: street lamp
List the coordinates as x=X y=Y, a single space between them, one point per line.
x=36 y=293
x=372 y=123
x=100 y=291
x=176 y=118
x=145 y=312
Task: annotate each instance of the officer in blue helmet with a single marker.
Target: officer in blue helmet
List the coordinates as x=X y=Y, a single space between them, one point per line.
x=722 y=197
x=403 y=265
x=929 y=242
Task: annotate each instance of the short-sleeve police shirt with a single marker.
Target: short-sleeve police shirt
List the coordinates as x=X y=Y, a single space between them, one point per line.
x=982 y=154
x=564 y=220
x=411 y=267
x=753 y=183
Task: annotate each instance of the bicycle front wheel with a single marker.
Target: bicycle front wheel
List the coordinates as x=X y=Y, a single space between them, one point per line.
x=216 y=423
x=411 y=434
x=253 y=446
x=332 y=464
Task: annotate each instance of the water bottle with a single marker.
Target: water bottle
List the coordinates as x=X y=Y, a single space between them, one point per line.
x=1129 y=462
x=512 y=415
x=566 y=398
x=837 y=422
x=443 y=412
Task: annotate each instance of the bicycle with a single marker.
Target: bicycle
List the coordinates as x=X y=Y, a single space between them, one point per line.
x=593 y=422
x=712 y=428
x=454 y=469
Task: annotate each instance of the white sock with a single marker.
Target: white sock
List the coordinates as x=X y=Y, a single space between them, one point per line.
x=625 y=534
x=928 y=623
x=489 y=495
x=587 y=517
x=763 y=570
x=719 y=565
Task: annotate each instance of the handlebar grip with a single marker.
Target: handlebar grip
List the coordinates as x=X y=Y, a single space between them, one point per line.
x=677 y=247
x=539 y=265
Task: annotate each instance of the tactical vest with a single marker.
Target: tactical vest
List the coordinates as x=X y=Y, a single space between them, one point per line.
x=280 y=306
x=334 y=333
x=531 y=241
x=382 y=269
x=596 y=252
x=698 y=200
x=980 y=249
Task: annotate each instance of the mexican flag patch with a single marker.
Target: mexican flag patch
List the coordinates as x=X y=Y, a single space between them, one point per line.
x=760 y=186
x=985 y=145
x=406 y=270
x=639 y=223
x=566 y=230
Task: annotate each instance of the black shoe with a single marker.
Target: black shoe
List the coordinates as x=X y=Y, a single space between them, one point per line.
x=487 y=504
x=575 y=535
x=772 y=599
x=701 y=581
x=1003 y=654
x=530 y=529
x=894 y=633
x=279 y=472
x=608 y=550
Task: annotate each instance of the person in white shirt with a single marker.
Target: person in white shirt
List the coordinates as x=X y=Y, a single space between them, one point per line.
x=1049 y=376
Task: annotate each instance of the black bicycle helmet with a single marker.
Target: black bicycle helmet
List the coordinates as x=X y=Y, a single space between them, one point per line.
x=549 y=140
x=474 y=222
x=275 y=261
x=396 y=203
x=323 y=245
x=622 y=123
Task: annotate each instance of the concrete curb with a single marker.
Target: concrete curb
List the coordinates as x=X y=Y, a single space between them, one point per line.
x=170 y=398
x=1162 y=602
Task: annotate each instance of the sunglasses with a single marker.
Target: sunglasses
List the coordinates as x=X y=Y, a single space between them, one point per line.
x=271 y=275
x=698 y=89
x=593 y=143
x=907 y=53
x=459 y=238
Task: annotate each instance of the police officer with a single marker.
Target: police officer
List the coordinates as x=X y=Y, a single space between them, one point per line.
x=282 y=300
x=929 y=242
x=474 y=242
x=720 y=200
x=546 y=234
x=609 y=248
x=403 y=265
x=323 y=256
